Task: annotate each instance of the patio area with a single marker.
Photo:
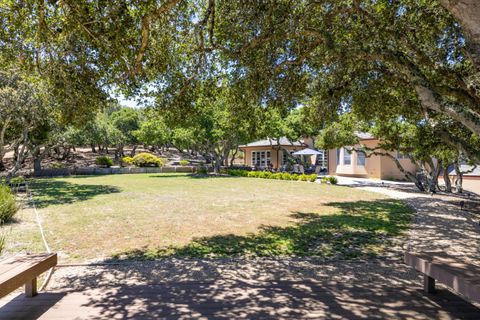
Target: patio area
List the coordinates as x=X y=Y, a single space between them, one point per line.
x=136 y=291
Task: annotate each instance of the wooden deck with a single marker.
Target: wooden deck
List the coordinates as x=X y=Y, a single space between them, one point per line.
x=222 y=300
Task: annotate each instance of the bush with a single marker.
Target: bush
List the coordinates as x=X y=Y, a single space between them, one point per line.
x=184 y=162
x=277 y=176
x=264 y=174
x=312 y=177
x=303 y=177
x=57 y=165
x=104 y=161
x=294 y=177
x=252 y=174
x=8 y=205
x=127 y=161
x=201 y=170
x=238 y=172
x=331 y=180
x=286 y=176
x=147 y=160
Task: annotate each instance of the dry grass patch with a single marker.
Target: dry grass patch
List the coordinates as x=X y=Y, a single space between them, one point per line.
x=148 y=216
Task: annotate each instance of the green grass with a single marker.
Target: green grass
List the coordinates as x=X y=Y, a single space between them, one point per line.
x=151 y=216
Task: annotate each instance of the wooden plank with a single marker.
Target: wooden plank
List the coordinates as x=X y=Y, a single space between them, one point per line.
x=31 y=288
x=28 y=268
x=459 y=276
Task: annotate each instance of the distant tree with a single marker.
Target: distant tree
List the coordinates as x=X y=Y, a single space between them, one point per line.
x=127 y=121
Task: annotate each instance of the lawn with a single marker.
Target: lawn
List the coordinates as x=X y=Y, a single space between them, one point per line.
x=150 y=216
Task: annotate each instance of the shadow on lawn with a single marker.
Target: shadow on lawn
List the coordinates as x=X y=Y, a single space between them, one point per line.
x=55 y=192
x=360 y=229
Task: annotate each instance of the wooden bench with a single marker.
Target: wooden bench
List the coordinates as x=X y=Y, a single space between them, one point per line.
x=24 y=270
x=462 y=277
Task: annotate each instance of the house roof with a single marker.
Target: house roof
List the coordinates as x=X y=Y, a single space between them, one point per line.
x=465 y=168
x=283 y=141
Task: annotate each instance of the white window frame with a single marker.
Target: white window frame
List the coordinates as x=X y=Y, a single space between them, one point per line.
x=264 y=157
x=364 y=159
x=322 y=159
x=349 y=153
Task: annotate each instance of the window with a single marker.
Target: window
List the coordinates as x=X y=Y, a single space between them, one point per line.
x=338 y=156
x=322 y=159
x=261 y=159
x=361 y=159
x=401 y=156
x=347 y=157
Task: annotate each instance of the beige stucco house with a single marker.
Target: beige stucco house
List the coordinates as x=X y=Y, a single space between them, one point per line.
x=471 y=180
x=273 y=153
x=343 y=162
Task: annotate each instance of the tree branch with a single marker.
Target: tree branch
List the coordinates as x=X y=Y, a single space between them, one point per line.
x=145 y=34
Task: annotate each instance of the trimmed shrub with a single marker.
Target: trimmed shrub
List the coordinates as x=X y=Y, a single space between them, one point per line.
x=147 y=160
x=294 y=177
x=104 y=161
x=184 y=162
x=312 y=177
x=127 y=161
x=201 y=170
x=303 y=177
x=252 y=174
x=277 y=176
x=331 y=180
x=286 y=176
x=238 y=172
x=8 y=205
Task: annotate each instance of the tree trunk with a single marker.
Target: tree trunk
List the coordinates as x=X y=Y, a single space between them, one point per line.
x=234 y=156
x=2 y=165
x=37 y=165
x=93 y=148
x=446 y=179
x=459 y=179
x=132 y=153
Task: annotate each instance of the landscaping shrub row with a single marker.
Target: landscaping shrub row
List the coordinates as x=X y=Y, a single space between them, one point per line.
x=272 y=175
x=140 y=160
x=280 y=176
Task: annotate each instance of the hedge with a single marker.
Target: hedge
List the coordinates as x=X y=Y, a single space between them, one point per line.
x=272 y=175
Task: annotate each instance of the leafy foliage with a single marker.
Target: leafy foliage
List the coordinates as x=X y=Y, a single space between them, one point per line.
x=184 y=162
x=147 y=160
x=271 y=175
x=8 y=205
x=127 y=161
x=104 y=161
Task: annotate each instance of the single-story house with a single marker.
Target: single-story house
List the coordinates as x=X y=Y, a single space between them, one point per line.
x=344 y=162
x=273 y=153
x=471 y=180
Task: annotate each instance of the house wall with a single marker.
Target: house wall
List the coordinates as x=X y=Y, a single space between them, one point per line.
x=470 y=183
x=390 y=171
x=377 y=167
x=371 y=169
x=276 y=154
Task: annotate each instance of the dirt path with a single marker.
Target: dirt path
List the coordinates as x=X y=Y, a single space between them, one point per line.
x=440 y=224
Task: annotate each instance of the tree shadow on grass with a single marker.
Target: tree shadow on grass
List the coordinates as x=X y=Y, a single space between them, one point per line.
x=49 y=192
x=361 y=229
